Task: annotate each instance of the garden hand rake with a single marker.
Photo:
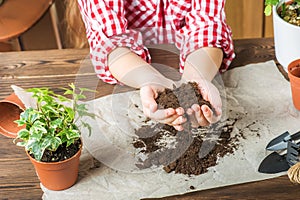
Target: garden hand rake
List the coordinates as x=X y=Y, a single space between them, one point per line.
x=292 y=158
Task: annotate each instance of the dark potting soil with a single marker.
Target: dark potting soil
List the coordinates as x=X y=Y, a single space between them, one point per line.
x=184 y=96
x=62 y=153
x=192 y=151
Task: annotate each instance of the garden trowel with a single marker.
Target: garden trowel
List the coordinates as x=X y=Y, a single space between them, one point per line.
x=281 y=161
x=281 y=142
x=274 y=163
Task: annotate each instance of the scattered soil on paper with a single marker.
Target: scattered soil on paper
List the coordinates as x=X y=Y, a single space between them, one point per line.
x=191 y=151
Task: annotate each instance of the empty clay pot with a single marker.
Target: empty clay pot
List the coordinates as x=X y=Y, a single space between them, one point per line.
x=294 y=76
x=10 y=109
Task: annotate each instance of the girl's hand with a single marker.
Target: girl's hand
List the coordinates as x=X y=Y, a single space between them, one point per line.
x=170 y=116
x=201 y=66
x=203 y=115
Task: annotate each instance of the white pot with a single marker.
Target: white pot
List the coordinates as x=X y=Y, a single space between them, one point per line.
x=286 y=39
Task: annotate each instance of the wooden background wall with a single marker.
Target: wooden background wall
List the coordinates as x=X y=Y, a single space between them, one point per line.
x=245 y=17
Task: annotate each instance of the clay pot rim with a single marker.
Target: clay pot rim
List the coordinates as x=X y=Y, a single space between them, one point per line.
x=21 y=107
x=291 y=66
x=18 y=102
x=7 y=133
x=14 y=102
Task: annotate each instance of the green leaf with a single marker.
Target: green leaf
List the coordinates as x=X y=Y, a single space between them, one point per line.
x=72 y=134
x=34 y=147
x=23 y=134
x=81 y=96
x=21 y=144
x=35 y=136
x=25 y=115
x=63 y=139
x=67 y=91
x=85 y=113
x=37 y=151
x=20 y=122
x=33 y=117
x=87 y=90
x=271 y=2
x=69 y=142
x=268 y=10
x=49 y=109
x=51 y=143
x=38 y=127
x=268 y=6
x=71 y=85
x=56 y=123
x=71 y=113
x=46 y=142
x=81 y=107
x=55 y=143
x=86 y=125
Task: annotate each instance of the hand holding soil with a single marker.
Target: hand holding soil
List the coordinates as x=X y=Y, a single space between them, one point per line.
x=202 y=114
x=197 y=110
x=171 y=115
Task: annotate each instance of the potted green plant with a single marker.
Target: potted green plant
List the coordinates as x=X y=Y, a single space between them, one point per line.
x=52 y=137
x=286 y=22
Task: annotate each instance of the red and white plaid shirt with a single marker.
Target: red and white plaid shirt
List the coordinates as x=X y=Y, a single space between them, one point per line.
x=190 y=24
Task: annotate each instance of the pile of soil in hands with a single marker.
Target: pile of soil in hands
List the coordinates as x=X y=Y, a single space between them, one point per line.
x=180 y=151
x=184 y=96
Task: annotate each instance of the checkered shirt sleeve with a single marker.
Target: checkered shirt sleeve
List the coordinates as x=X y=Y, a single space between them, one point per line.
x=190 y=24
x=106 y=29
x=205 y=26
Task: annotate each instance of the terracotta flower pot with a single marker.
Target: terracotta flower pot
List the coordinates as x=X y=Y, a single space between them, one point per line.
x=57 y=175
x=294 y=76
x=10 y=109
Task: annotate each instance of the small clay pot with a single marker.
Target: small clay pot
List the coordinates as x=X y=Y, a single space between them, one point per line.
x=294 y=76
x=57 y=175
x=10 y=109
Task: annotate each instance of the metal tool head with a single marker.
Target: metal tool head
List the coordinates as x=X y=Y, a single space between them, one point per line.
x=279 y=142
x=274 y=163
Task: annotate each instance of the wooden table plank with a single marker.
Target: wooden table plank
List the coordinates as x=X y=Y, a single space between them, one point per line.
x=18 y=179
x=253 y=51
x=25 y=174
x=276 y=188
x=49 y=62
x=56 y=68
x=9 y=149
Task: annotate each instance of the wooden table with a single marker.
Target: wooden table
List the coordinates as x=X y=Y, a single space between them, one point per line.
x=56 y=68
